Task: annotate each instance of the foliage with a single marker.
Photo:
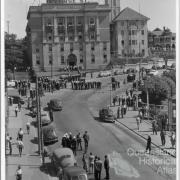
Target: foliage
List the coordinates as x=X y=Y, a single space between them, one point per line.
x=170 y=74
x=15 y=52
x=157 y=90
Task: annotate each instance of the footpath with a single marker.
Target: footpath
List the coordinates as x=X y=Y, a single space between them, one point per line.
x=30 y=161
x=145 y=129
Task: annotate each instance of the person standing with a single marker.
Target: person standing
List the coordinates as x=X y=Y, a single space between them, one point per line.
x=106 y=166
x=10 y=146
x=20 y=146
x=148 y=146
x=78 y=137
x=173 y=139
x=19 y=173
x=28 y=127
x=51 y=114
x=16 y=111
x=91 y=163
x=85 y=162
x=154 y=127
x=163 y=140
x=73 y=145
x=99 y=168
x=138 y=122
x=122 y=112
x=20 y=134
x=86 y=141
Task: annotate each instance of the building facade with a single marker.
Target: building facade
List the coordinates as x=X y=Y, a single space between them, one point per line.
x=65 y=33
x=129 y=34
x=162 y=40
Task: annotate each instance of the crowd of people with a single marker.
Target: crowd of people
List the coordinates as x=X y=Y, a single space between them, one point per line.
x=82 y=85
x=91 y=164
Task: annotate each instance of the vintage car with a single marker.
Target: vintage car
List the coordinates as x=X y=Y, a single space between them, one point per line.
x=65 y=164
x=131 y=77
x=55 y=104
x=49 y=135
x=106 y=115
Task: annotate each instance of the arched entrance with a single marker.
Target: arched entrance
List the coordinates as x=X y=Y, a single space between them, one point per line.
x=72 y=60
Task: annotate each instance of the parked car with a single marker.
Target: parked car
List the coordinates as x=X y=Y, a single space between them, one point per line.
x=104 y=74
x=45 y=118
x=55 y=104
x=153 y=72
x=118 y=72
x=17 y=99
x=64 y=163
x=106 y=115
x=131 y=77
x=49 y=135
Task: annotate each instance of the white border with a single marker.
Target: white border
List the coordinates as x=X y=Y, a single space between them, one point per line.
x=177 y=91
x=2 y=96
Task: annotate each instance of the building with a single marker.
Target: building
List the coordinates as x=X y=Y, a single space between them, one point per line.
x=66 y=33
x=129 y=34
x=162 y=40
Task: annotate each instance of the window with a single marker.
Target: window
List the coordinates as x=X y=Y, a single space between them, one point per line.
x=129 y=42
x=80 y=47
x=122 y=42
x=92 y=59
x=49 y=37
x=143 y=51
x=92 y=46
x=37 y=60
x=142 y=32
x=133 y=42
x=62 y=60
x=105 y=58
x=173 y=38
x=92 y=36
x=114 y=2
x=71 y=47
x=50 y=47
x=143 y=42
x=62 y=47
x=129 y=32
x=91 y=21
x=122 y=33
x=50 y=60
x=81 y=59
x=134 y=32
x=79 y=37
x=142 y=23
x=62 y=38
x=37 y=50
x=122 y=23
x=71 y=37
x=104 y=46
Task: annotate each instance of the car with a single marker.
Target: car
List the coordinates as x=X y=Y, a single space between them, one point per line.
x=118 y=72
x=153 y=72
x=55 y=104
x=131 y=77
x=49 y=135
x=11 y=83
x=16 y=99
x=106 y=115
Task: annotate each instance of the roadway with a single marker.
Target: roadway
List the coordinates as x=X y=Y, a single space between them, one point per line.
x=105 y=138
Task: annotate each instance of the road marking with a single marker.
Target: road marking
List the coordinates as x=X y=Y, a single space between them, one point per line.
x=121 y=166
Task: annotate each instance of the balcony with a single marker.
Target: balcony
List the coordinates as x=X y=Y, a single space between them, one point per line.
x=61 y=29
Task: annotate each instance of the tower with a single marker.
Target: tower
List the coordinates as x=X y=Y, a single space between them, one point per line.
x=115 y=7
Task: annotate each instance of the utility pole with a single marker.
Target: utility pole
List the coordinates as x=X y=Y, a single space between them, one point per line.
x=38 y=117
x=8 y=22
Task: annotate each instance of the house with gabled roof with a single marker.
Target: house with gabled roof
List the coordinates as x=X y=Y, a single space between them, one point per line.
x=129 y=34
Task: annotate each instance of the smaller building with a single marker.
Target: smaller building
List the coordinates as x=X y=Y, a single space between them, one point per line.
x=129 y=34
x=161 y=40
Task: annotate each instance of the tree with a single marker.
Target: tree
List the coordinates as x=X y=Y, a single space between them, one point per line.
x=157 y=89
x=171 y=74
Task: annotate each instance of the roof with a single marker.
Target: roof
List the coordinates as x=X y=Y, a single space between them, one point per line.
x=130 y=14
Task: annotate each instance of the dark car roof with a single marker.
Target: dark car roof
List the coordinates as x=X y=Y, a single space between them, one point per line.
x=74 y=171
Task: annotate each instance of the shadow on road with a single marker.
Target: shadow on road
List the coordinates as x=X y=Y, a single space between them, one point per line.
x=49 y=169
x=35 y=140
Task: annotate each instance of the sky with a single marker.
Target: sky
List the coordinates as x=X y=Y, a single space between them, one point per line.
x=161 y=13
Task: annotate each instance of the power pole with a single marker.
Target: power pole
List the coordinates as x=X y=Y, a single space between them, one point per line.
x=8 y=22
x=38 y=117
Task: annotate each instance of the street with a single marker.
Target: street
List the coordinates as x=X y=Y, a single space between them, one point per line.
x=105 y=138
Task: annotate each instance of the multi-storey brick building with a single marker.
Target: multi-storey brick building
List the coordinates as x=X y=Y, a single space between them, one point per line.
x=62 y=33
x=129 y=34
